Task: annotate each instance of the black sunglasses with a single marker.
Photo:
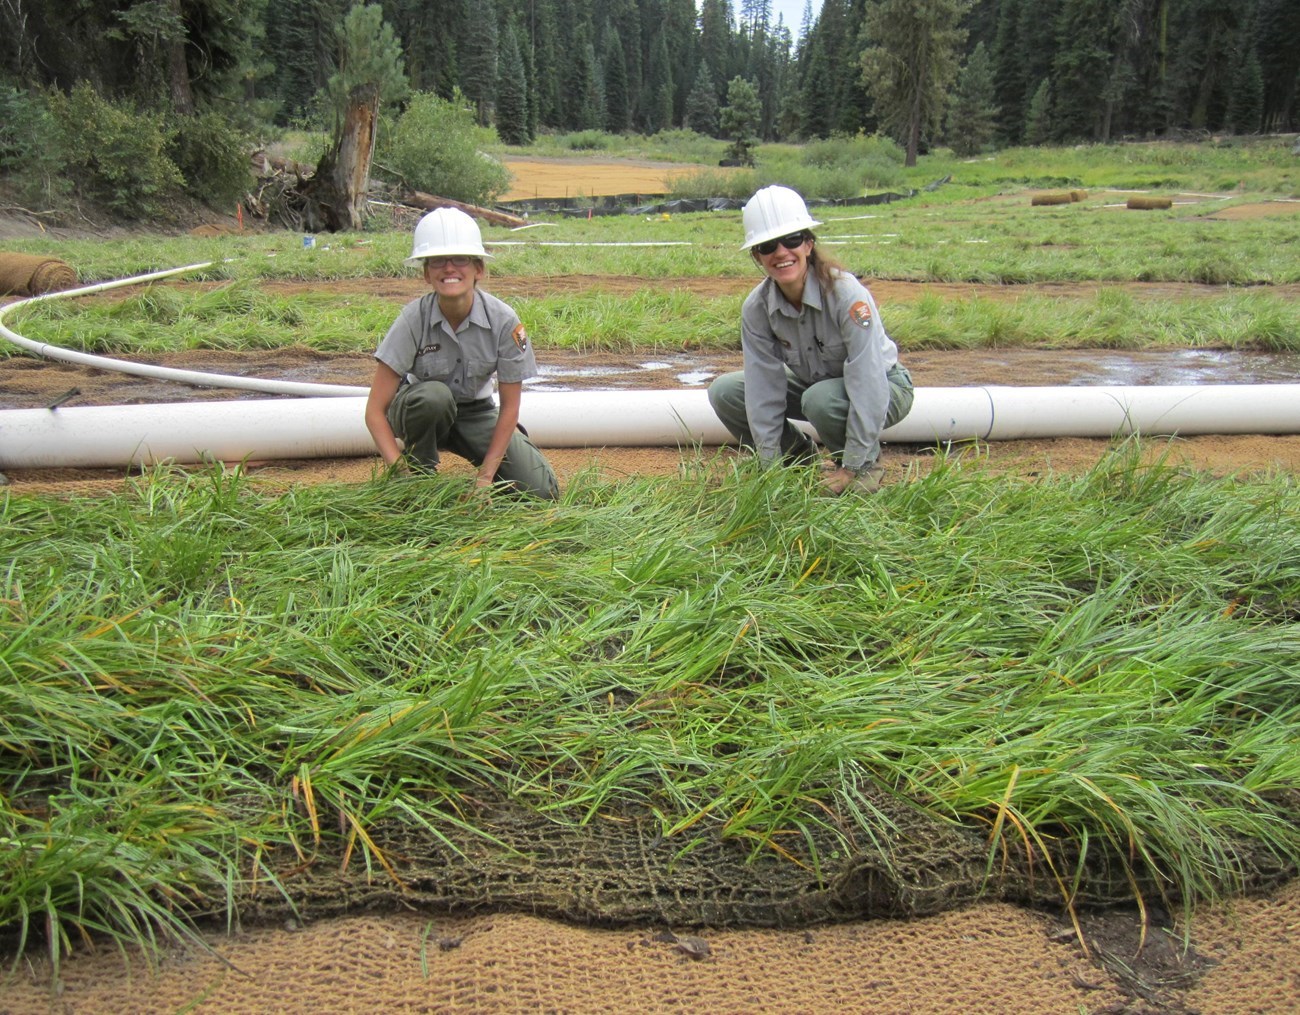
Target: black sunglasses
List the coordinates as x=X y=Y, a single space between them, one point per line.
x=792 y=242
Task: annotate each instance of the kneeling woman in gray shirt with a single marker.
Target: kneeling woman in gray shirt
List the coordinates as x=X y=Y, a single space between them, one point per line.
x=433 y=380
x=814 y=350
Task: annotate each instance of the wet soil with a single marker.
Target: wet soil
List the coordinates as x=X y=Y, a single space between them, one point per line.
x=885 y=291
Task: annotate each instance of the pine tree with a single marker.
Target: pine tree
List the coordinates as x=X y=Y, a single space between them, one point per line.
x=1205 y=36
x=1277 y=42
x=618 y=113
x=739 y=120
x=715 y=42
x=658 y=89
x=625 y=16
x=972 y=114
x=478 y=61
x=1088 y=47
x=1009 y=74
x=683 y=46
x=592 y=116
x=370 y=67
x=511 y=92
x=548 y=51
x=912 y=59
x=1246 y=102
x=817 y=112
x=1038 y=119
x=702 y=106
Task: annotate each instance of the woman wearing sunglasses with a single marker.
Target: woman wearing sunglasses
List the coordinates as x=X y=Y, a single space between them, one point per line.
x=433 y=379
x=814 y=350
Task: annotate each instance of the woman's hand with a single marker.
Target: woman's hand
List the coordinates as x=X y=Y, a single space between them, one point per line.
x=836 y=482
x=865 y=480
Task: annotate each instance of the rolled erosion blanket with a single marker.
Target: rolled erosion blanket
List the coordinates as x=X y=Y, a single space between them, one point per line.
x=32 y=275
x=1039 y=200
x=1150 y=203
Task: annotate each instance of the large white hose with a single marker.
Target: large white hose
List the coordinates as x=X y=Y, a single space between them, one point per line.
x=197 y=377
x=279 y=428
x=333 y=426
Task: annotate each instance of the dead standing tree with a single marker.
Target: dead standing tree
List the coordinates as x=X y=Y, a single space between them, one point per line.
x=334 y=198
x=370 y=72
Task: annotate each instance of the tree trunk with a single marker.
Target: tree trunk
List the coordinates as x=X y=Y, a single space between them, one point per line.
x=336 y=195
x=914 y=115
x=178 y=71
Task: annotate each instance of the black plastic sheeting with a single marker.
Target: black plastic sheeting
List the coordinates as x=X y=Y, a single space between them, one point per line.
x=633 y=204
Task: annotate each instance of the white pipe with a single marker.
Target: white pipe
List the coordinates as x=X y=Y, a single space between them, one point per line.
x=260 y=429
x=329 y=423
x=196 y=377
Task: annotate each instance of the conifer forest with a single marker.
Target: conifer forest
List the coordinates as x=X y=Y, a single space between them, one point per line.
x=1024 y=71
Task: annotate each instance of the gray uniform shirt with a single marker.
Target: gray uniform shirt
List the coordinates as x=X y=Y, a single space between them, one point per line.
x=421 y=346
x=835 y=334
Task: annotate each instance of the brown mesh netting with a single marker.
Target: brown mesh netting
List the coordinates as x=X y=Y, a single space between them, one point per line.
x=620 y=871
x=33 y=275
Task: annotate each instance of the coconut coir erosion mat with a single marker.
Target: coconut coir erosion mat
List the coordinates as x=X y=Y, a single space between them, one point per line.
x=33 y=275
x=618 y=870
x=989 y=957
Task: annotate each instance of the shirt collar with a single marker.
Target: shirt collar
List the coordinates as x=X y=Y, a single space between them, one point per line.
x=477 y=312
x=812 y=296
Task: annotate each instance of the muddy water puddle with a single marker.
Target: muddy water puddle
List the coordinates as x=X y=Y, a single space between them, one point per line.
x=948 y=368
x=28 y=383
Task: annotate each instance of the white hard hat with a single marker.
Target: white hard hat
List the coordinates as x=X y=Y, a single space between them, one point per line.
x=445 y=232
x=773 y=212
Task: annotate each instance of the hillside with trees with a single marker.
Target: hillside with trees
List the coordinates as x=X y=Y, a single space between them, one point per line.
x=127 y=102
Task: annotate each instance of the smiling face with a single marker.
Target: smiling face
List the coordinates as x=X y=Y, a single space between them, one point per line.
x=787 y=267
x=453 y=277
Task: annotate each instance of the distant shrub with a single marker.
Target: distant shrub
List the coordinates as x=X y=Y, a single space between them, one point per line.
x=869 y=161
x=114 y=153
x=586 y=141
x=686 y=145
x=435 y=147
x=212 y=155
x=30 y=164
x=736 y=183
x=842 y=150
x=834 y=181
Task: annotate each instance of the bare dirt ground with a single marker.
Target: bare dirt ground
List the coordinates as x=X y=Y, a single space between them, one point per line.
x=1240 y=956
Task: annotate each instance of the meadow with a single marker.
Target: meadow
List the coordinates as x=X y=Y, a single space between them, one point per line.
x=213 y=689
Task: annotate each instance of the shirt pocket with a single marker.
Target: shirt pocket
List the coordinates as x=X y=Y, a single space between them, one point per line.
x=832 y=348
x=435 y=362
x=478 y=372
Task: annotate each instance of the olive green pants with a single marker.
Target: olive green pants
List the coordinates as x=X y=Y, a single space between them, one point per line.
x=824 y=404
x=428 y=420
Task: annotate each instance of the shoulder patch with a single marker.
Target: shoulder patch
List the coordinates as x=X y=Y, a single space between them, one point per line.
x=521 y=337
x=860 y=312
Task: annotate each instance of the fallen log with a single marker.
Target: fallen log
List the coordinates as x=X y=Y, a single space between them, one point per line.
x=428 y=202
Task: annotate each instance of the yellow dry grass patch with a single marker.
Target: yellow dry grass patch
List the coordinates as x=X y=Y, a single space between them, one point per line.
x=556 y=177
